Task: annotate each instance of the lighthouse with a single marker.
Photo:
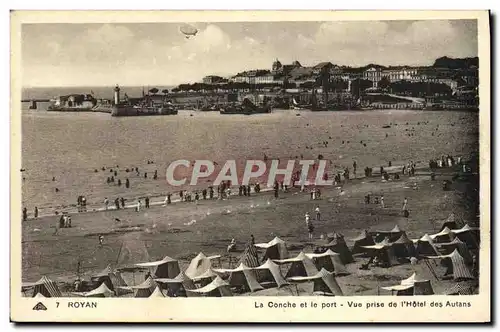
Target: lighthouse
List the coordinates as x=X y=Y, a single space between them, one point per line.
x=117 y=95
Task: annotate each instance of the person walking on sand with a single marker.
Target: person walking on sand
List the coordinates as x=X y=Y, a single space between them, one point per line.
x=25 y=214
x=36 y=212
x=405 y=204
x=310 y=227
x=101 y=240
x=138 y=206
x=106 y=203
x=382 y=201
x=318 y=213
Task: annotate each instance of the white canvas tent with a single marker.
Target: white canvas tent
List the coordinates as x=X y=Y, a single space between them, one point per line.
x=324 y=283
x=270 y=272
x=445 y=235
x=101 y=291
x=165 y=268
x=275 y=249
x=300 y=266
x=414 y=285
x=329 y=261
x=199 y=265
x=217 y=288
x=242 y=277
x=176 y=287
x=425 y=246
x=157 y=293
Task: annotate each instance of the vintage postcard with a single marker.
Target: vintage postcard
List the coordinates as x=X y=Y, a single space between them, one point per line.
x=238 y=166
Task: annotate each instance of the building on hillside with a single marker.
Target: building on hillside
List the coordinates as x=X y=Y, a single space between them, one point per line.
x=396 y=74
x=322 y=66
x=213 y=79
x=373 y=74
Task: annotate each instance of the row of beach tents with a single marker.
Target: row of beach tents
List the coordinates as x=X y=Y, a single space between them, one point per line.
x=276 y=268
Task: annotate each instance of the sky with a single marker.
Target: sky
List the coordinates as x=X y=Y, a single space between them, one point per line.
x=55 y=55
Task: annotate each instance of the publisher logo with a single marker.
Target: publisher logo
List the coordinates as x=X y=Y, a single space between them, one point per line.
x=39 y=306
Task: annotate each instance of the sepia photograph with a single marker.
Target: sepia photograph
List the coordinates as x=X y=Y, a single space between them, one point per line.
x=264 y=160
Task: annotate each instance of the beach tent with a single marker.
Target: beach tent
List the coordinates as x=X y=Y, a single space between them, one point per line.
x=112 y=279
x=460 y=288
x=44 y=286
x=469 y=235
x=393 y=234
x=157 y=293
x=270 y=272
x=337 y=244
x=450 y=222
x=242 y=277
x=165 y=268
x=101 y=291
x=448 y=248
x=275 y=249
x=199 y=265
x=414 y=285
x=143 y=290
x=324 y=283
x=250 y=256
x=206 y=277
x=455 y=266
x=425 y=246
x=334 y=236
x=364 y=239
x=300 y=266
x=177 y=286
x=329 y=261
x=217 y=288
x=445 y=235
x=404 y=247
x=383 y=251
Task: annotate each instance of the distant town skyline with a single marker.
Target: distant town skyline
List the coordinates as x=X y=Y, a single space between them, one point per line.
x=158 y=54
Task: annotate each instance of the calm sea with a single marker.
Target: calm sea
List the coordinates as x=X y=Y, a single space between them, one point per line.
x=70 y=147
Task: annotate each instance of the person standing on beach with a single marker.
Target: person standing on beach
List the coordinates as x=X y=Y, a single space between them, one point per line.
x=382 y=201
x=106 y=203
x=117 y=203
x=25 y=214
x=147 y=202
x=354 y=166
x=405 y=204
x=318 y=213
x=138 y=206
x=122 y=201
x=310 y=227
x=36 y=212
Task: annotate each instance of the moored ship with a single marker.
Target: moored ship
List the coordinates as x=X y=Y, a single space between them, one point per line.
x=73 y=103
x=246 y=107
x=145 y=106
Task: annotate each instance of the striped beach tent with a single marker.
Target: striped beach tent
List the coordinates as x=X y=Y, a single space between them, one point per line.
x=455 y=266
x=44 y=286
x=250 y=256
x=460 y=289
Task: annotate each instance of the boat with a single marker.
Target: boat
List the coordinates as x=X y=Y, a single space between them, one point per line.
x=246 y=108
x=143 y=110
x=73 y=103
